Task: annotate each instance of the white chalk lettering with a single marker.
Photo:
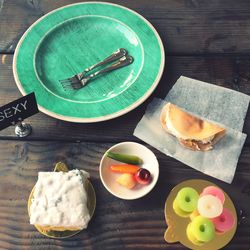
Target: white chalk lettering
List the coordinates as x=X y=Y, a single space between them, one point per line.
x=16 y=109
x=1 y=116
x=7 y=113
x=24 y=104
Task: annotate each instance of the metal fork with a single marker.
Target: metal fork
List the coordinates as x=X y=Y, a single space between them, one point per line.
x=77 y=84
x=78 y=77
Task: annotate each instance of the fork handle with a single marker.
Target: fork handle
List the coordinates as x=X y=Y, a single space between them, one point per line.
x=124 y=61
x=115 y=56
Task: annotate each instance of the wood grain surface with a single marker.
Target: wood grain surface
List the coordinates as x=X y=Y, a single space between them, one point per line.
x=186 y=26
x=205 y=40
x=117 y=224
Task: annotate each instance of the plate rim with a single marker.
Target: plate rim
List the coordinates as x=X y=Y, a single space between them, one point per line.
x=104 y=117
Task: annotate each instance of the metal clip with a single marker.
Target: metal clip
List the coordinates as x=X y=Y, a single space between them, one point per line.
x=22 y=129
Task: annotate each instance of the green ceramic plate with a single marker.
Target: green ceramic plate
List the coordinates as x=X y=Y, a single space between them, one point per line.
x=69 y=39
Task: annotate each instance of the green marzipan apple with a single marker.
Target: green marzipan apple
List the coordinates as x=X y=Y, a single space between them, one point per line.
x=178 y=211
x=187 y=199
x=191 y=236
x=202 y=229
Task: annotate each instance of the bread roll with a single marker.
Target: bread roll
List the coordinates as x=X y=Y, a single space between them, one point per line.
x=191 y=131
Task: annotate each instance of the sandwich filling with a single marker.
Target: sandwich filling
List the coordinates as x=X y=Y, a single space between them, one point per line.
x=60 y=200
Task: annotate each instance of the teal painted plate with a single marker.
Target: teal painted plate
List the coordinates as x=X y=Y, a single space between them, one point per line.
x=68 y=40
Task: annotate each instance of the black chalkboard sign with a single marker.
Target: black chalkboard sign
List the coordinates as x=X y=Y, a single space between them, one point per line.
x=18 y=110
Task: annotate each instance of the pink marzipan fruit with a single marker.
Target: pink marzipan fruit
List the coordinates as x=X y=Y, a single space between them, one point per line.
x=215 y=191
x=224 y=222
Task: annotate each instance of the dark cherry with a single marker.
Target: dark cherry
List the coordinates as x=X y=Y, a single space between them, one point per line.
x=143 y=176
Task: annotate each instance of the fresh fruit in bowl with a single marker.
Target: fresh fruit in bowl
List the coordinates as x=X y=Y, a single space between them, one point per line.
x=132 y=174
x=143 y=176
x=125 y=158
x=133 y=159
x=126 y=180
x=124 y=168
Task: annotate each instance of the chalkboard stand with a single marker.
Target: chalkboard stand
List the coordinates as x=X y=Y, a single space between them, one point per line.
x=22 y=129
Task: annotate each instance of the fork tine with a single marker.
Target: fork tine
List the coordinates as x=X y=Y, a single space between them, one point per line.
x=71 y=85
x=76 y=86
x=66 y=85
x=72 y=80
x=66 y=80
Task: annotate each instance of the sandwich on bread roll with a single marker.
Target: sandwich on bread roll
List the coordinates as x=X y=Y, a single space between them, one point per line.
x=192 y=132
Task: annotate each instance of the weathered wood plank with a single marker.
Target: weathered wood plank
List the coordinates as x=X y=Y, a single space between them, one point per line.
x=186 y=26
x=231 y=72
x=117 y=224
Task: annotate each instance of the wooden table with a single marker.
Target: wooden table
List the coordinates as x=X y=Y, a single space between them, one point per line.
x=206 y=40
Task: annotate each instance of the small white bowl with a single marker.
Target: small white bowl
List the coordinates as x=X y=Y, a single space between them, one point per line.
x=108 y=177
